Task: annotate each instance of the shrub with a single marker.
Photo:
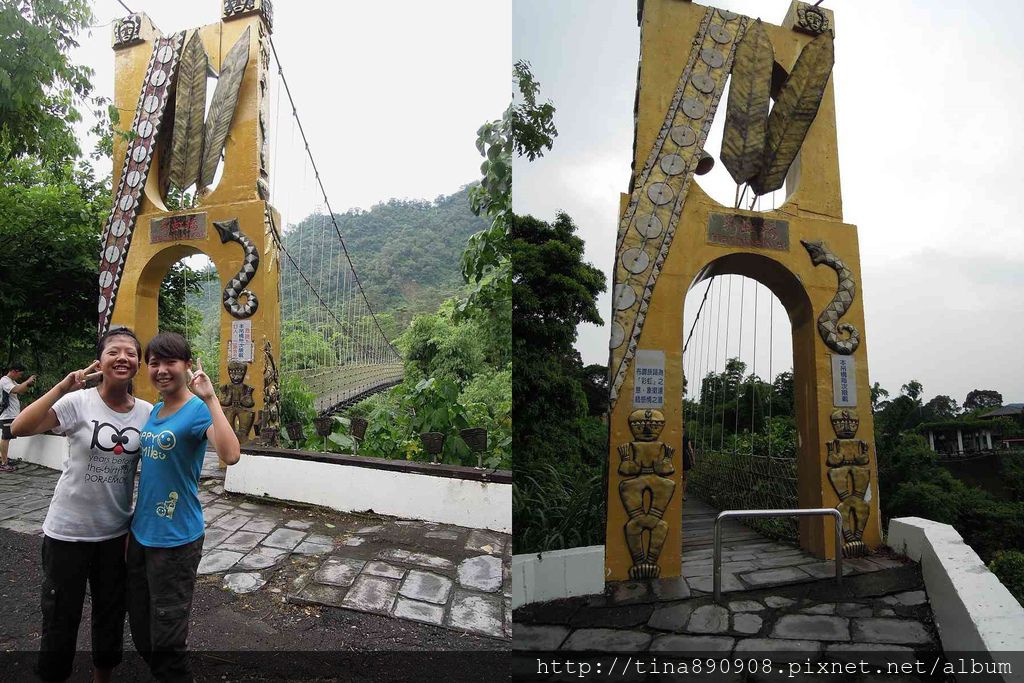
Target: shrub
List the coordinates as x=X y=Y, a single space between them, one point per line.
x=556 y=508
x=1008 y=565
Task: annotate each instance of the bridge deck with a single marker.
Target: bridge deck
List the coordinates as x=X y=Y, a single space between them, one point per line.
x=699 y=528
x=333 y=386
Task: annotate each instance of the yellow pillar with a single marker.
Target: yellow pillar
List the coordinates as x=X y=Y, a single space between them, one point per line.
x=162 y=236
x=776 y=257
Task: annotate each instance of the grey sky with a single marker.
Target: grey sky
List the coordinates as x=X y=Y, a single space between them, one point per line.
x=390 y=93
x=928 y=100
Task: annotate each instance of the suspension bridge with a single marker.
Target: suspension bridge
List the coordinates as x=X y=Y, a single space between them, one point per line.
x=741 y=426
x=280 y=294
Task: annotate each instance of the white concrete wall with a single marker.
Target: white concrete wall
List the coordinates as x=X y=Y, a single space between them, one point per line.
x=475 y=504
x=539 y=577
x=973 y=610
x=42 y=449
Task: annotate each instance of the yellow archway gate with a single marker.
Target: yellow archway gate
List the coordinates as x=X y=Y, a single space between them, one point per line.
x=170 y=141
x=672 y=235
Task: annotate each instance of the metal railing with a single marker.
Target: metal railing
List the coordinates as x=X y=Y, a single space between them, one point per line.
x=717 y=557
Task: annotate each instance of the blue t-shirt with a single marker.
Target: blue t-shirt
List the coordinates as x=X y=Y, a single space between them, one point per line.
x=168 y=512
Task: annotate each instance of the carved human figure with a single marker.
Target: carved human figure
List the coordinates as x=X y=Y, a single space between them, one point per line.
x=271 y=397
x=236 y=398
x=646 y=489
x=850 y=476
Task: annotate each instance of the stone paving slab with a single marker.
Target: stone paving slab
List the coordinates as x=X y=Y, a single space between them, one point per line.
x=795 y=621
x=249 y=540
x=605 y=640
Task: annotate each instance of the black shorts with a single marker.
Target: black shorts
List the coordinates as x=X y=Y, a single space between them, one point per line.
x=5 y=429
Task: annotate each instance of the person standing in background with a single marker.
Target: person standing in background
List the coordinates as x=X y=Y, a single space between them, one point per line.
x=689 y=459
x=10 y=406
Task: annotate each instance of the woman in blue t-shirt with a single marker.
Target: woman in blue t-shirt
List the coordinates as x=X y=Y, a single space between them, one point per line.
x=166 y=540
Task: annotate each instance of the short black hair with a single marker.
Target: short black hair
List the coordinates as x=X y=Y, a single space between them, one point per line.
x=117 y=332
x=168 y=345
x=16 y=367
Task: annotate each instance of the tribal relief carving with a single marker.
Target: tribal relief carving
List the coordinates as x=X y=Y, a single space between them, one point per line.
x=850 y=476
x=128 y=31
x=117 y=234
x=271 y=418
x=236 y=398
x=230 y=232
x=810 y=19
x=829 y=329
x=649 y=223
x=646 y=467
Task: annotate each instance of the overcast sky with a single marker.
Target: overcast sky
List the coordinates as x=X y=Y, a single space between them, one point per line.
x=390 y=93
x=928 y=100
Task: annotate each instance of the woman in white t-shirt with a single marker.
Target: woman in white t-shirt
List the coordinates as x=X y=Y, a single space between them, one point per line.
x=86 y=527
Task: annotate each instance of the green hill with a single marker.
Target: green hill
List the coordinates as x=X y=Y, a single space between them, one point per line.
x=406 y=252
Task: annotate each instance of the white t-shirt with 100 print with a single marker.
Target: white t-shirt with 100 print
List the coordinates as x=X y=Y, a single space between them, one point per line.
x=93 y=498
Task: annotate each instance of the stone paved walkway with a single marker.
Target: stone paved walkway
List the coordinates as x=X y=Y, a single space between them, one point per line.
x=776 y=598
x=885 y=612
x=421 y=571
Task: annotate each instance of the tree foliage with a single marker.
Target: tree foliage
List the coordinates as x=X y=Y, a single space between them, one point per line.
x=980 y=399
x=40 y=88
x=50 y=232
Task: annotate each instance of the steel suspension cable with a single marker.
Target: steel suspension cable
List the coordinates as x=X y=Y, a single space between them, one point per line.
x=309 y=153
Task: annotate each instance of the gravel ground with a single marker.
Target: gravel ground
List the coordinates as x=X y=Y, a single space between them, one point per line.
x=256 y=636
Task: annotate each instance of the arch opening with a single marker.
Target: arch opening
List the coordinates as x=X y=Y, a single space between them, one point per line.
x=742 y=380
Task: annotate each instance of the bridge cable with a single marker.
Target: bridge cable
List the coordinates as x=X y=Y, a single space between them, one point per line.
x=305 y=141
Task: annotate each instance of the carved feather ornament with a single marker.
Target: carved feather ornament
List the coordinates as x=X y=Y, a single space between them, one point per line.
x=222 y=108
x=743 y=139
x=794 y=112
x=189 y=107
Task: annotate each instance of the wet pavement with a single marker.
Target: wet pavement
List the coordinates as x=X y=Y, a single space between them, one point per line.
x=776 y=598
x=425 y=572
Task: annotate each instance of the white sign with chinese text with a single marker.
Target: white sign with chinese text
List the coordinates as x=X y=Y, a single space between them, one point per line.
x=649 y=379
x=844 y=381
x=240 y=347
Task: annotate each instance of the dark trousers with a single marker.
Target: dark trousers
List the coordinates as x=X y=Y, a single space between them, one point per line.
x=160 y=585
x=67 y=566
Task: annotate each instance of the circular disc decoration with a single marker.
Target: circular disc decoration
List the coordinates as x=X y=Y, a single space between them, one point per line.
x=160 y=77
x=106 y=277
x=151 y=103
x=727 y=15
x=126 y=203
x=134 y=178
x=165 y=54
x=673 y=164
x=683 y=136
x=704 y=83
x=145 y=129
x=660 y=193
x=103 y=304
x=712 y=58
x=111 y=254
x=618 y=334
x=635 y=260
x=625 y=297
x=119 y=228
x=719 y=34
x=649 y=226
x=693 y=108
x=139 y=154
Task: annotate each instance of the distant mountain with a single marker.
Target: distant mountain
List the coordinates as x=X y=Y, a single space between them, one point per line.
x=406 y=252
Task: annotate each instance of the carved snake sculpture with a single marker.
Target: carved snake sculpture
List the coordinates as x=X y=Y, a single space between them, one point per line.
x=828 y=328
x=230 y=232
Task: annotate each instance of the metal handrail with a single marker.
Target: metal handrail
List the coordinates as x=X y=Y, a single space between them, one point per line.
x=717 y=558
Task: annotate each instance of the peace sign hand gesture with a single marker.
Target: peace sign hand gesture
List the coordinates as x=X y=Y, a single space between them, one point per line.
x=77 y=379
x=200 y=383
